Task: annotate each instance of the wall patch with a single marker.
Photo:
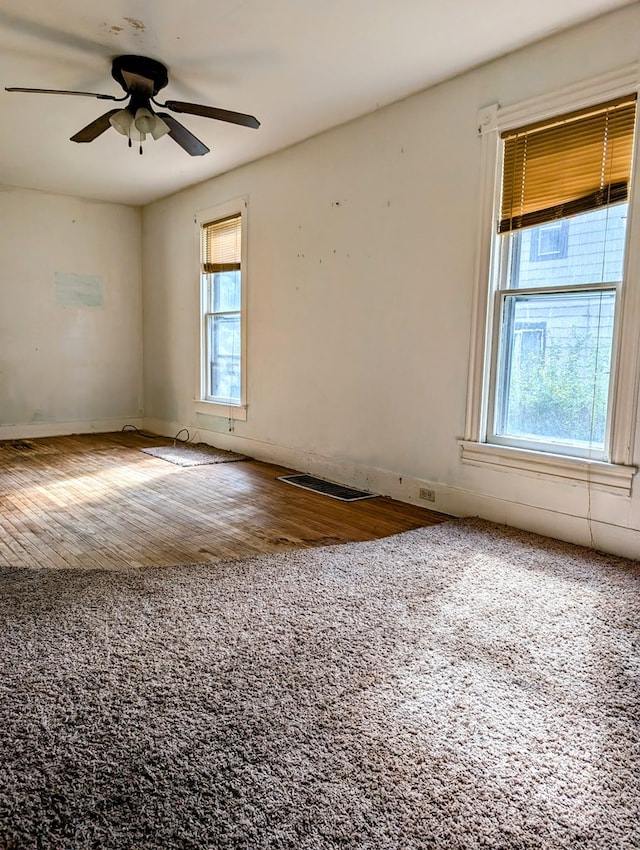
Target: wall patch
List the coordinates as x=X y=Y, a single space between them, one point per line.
x=79 y=290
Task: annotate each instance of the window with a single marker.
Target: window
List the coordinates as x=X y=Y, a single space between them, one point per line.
x=550 y=241
x=222 y=335
x=556 y=396
x=551 y=345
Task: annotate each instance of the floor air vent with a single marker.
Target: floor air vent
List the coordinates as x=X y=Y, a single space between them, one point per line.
x=327 y=488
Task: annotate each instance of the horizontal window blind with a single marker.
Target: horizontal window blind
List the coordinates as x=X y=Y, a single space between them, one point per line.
x=221 y=242
x=567 y=165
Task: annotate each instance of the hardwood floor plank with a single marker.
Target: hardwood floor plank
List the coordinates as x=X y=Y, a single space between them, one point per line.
x=97 y=500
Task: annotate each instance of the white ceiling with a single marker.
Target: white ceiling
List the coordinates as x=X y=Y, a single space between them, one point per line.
x=300 y=66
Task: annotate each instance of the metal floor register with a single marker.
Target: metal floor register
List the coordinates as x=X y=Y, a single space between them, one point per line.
x=327 y=488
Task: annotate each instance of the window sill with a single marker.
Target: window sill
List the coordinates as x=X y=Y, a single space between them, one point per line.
x=225 y=411
x=611 y=477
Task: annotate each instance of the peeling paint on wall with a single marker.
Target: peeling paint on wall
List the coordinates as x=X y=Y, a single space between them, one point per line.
x=79 y=290
x=135 y=23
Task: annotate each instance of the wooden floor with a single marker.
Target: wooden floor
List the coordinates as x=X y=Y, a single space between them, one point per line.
x=98 y=501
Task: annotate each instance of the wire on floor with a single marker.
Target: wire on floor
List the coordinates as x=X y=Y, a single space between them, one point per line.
x=157 y=436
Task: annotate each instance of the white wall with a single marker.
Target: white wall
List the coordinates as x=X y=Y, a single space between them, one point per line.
x=70 y=315
x=361 y=259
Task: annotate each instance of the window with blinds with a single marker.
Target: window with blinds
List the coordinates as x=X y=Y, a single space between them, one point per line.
x=222 y=334
x=562 y=232
x=221 y=245
x=571 y=164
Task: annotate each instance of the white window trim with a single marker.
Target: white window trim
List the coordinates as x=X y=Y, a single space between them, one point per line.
x=617 y=473
x=613 y=477
x=203 y=405
x=219 y=408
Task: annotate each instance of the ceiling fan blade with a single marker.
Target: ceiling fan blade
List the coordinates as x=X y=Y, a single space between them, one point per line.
x=184 y=137
x=213 y=112
x=93 y=130
x=60 y=91
x=137 y=84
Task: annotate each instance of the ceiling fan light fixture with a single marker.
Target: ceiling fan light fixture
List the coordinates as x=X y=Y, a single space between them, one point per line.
x=144 y=120
x=122 y=121
x=160 y=128
x=125 y=123
x=136 y=135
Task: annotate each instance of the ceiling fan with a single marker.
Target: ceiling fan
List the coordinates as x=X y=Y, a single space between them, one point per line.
x=142 y=78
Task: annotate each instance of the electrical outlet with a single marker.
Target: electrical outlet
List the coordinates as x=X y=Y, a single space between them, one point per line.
x=427 y=495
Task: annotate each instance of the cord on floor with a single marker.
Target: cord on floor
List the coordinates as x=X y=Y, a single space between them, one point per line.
x=157 y=436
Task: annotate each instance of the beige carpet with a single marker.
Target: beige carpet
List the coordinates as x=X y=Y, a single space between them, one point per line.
x=459 y=687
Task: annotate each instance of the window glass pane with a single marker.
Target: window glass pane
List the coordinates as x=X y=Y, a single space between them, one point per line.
x=225 y=292
x=224 y=357
x=555 y=362
x=587 y=248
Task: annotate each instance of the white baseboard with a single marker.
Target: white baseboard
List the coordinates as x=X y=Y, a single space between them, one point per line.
x=58 y=429
x=603 y=536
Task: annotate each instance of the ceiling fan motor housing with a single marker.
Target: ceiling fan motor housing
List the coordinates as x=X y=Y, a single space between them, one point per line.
x=139 y=66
